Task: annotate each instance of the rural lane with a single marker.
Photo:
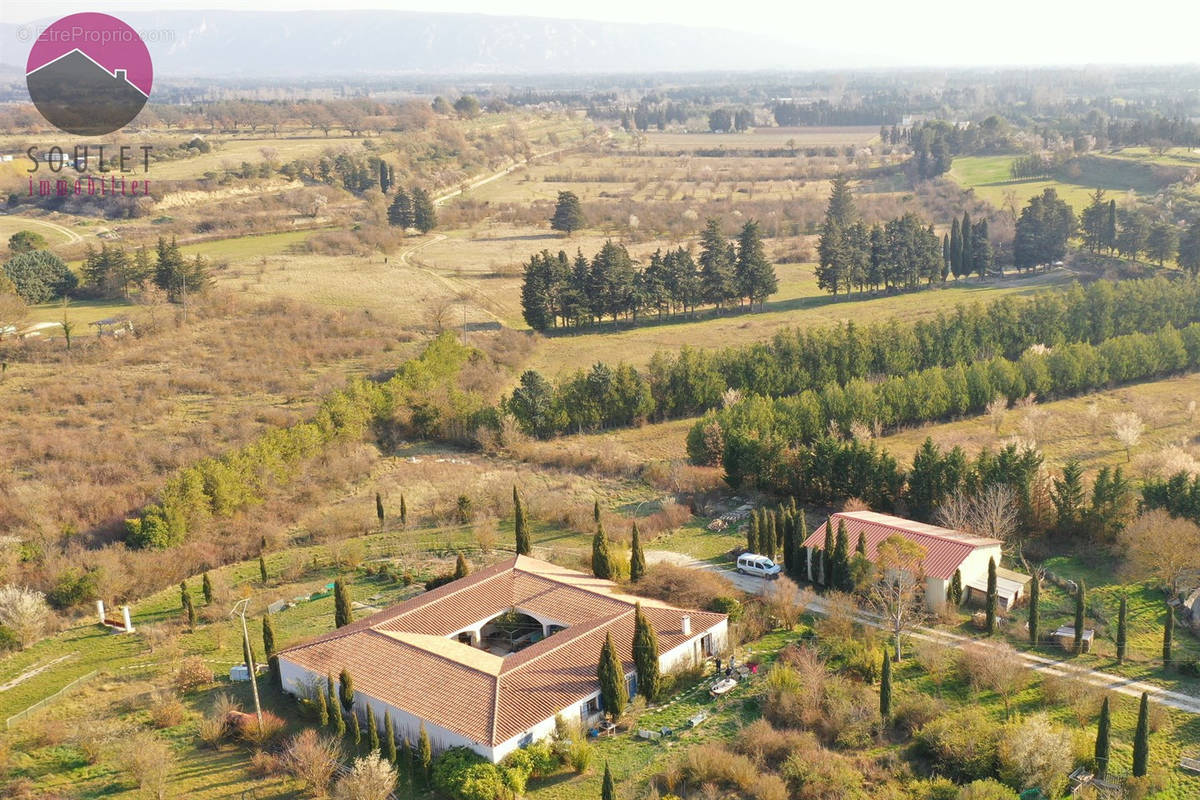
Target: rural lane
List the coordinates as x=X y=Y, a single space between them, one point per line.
x=1102 y=680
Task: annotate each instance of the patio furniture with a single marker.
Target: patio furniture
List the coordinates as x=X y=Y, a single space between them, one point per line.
x=722 y=687
x=696 y=720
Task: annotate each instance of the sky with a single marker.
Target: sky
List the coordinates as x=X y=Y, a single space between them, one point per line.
x=879 y=32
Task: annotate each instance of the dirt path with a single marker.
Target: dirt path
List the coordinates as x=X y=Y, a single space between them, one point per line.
x=72 y=236
x=1061 y=667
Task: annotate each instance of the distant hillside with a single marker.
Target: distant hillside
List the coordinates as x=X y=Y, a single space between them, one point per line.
x=327 y=43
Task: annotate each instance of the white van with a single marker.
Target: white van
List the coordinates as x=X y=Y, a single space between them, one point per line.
x=754 y=564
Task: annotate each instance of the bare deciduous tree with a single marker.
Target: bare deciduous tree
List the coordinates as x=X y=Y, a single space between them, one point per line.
x=998 y=667
x=1161 y=546
x=992 y=512
x=149 y=760
x=896 y=596
x=996 y=409
x=1127 y=429
x=785 y=601
x=24 y=612
x=313 y=759
x=371 y=778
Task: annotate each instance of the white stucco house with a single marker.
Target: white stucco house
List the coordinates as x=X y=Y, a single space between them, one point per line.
x=490 y=660
x=946 y=551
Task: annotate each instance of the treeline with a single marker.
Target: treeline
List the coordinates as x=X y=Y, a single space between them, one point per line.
x=902 y=253
x=1131 y=232
x=559 y=292
x=1178 y=495
x=743 y=435
x=219 y=487
x=692 y=381
x=871 y=111
x=113 y=271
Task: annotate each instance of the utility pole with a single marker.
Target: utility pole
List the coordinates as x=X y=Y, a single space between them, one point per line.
x=239 y=608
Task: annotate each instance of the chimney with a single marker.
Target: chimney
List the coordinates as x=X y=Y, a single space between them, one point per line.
x=686 y=625
x=120 y=73
x=100 y=610
x=128 y=622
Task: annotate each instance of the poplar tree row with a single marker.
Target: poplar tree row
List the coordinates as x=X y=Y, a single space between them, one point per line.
x=560 y=292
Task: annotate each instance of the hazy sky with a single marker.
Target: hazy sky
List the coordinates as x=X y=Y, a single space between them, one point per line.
x=879 y=32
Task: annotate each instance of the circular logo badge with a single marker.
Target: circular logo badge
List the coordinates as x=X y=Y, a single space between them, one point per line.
x=89 y=74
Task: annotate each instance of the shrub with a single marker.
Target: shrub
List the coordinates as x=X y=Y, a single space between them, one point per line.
x=166 y=711
x=149 y=760
x=729 y=606
x=212 y=731
x=987 y=789
x=683 y=586
x=1035 y=753
x=40 y=276
x=193 y=674
x=313 y=758
x=250 y=730
x=24 y=612
x=266 y=765
x=915 y=711
x=580 y=754
x=962 y=745
x=462 y=774
x=371 y=778
x=822 y=775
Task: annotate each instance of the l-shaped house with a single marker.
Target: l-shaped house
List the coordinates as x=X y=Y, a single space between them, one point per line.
x=490 y=660
x=946 y=551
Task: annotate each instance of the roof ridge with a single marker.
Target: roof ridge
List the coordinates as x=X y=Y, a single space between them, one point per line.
x=924 y=531
x=388 y=637
x=497 y=570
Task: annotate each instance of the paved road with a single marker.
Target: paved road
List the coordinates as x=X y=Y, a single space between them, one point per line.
x=1103 y=680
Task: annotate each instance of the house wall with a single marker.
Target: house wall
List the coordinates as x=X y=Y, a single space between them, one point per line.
x=935 y=592
x=976 y=564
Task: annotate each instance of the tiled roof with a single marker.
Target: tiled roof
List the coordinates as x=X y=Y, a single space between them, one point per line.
x=403 y=656
x=945 y=549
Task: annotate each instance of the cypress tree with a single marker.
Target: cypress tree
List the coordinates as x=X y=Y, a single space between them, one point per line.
x=991 y=597
x=770 y=535
x=183 y=595
x=322 y=707
x=752 y=533
x=613 y=693
x=268 y=635
x=389 y=740
x=827 y=555
x=608 y=791
x=403 y=512
x=372 y=731
x=339 y=721
x=207 y=588
x=602 y=566
x=1122 y=631
x=248 y=658
x=1080 y=605
x=1035 y=596
x=424 y=755
x=955 y=249
x=802 y=555
x=461 y=568
x=343 y=612
x=1141 y=739
x=521 y=526
x=596 y=512
x=356 y=730
x=645 y=654
x=840 y=578
x=379 y=509
x=789 y=544
x=967 y=259
x=1168 y=632
x=262 y=569
x=637 y=559
x=330 y=691
x=346 y=690
x=861 y=548
x=956 y=588
x=1103 y=730
x=189 y=609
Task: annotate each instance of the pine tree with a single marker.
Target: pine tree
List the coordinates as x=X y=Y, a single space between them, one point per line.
x=346 y=690
x=1168 y=633
x=1035 y=597
x=1103 y=730
x=389 y=740
x=637 y=559
x=608 y=790
x=424 y=755
x=1122 y=631
x=424 y=213
x=613 y=692
x=262 y=569
x=379 y=509
x=206 y=588
x=1110 y=226
x=991 y=596
x=885 y=686
x=645 y=654
x=322 y=707
x=716 y=270
x=343 y=613
x=1141 y=739
x=268 y=635
x=521 y=526
x=1080 y=606
x=400 y=212
x=568 y=214
x=753 y=273
x=602 y=566
x=372 y=731
x=403 y=512
x=461 y=568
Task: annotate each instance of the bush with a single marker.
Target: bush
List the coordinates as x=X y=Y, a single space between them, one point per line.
x=40 y=276
x=313 y=759
x=72 y=588
x=193 y=674
x=987 y=789
x=580 y=754
x=371 y=778
x=464 y=775
x=249 y=730
x=166 y=711
x=683 y=586
x=914 y=711
x=962 y=745
x=729 y=606
x=266 y=765
x=822 y=775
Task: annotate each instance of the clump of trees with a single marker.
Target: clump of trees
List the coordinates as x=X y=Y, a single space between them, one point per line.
x=1043 y=229
x=113 y=272
x=412 y=210
x=560 y=292
x=39 y=276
